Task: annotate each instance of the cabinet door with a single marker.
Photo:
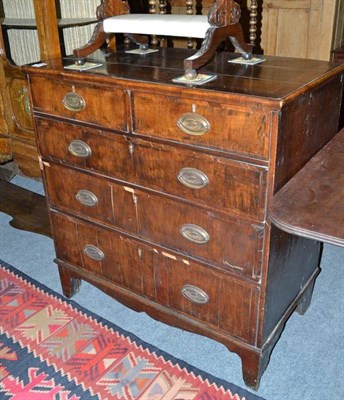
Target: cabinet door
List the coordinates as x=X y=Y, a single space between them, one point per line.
x=301 y=28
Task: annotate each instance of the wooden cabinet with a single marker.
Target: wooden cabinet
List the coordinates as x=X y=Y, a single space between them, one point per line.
x=16 y=136
x=301 y=28
x=32 y=31
x=159 y=193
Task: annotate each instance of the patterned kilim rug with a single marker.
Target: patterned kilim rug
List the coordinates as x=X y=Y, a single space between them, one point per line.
x=53 y=349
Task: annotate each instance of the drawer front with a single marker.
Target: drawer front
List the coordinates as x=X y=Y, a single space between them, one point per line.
x=202 y=123
x=91 y=104
x=187 y=287
x=229 y=243
x=216 y=182
x=83 y=147
x=224 y=302
x=90 y=197
x=105 y=254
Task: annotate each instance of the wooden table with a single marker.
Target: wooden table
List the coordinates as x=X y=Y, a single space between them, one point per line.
x=28 y=209
x=311 y=204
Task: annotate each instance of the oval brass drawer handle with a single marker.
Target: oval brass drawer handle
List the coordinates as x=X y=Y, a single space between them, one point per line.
x=94 y=252
x=193 y=124
x=73 y=102
x=86 y=198
x=194 y=233
x=79 y=149
x=195 y=294
x=192 y=178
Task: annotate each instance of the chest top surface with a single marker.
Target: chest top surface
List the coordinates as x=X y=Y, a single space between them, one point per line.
x=275 y=79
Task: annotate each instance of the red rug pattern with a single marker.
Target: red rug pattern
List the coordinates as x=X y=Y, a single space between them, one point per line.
x=51 y=348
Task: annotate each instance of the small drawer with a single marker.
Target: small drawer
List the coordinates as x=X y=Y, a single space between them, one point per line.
x=87 y=148
x=167 y=279
x=203 y=123
x=88 y=103
x=89 y=197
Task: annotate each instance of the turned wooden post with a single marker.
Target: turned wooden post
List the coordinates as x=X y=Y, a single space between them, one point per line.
x=163 y=10
x=162 y=6
x=253 y=21
x=189 y=11
x=152 y=10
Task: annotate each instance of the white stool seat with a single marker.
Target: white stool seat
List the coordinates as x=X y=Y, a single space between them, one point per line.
x=194 y=26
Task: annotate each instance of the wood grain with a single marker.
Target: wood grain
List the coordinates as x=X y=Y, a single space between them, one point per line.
x=265 y=122
x=298 y=28
x=28 y=209
x=311 y=203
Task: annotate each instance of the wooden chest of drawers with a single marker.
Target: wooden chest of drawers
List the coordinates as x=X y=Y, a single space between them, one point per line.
x=159 y=193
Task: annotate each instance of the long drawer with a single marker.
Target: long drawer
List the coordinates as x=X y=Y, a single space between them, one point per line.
x=203 y=123
x=93 y=104
x=190 y=288
x=229 y=243
x=218 y=182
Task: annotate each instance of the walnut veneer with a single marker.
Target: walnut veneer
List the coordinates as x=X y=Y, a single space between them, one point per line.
x=159 y=193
